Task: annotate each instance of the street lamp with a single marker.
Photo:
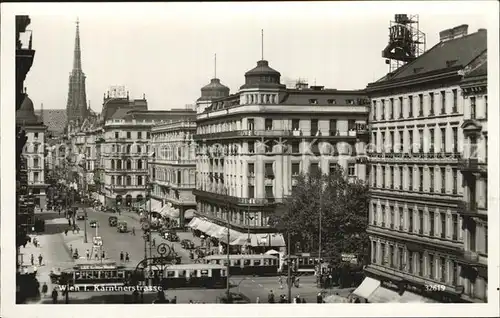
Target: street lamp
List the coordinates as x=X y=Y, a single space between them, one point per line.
x=250 y=218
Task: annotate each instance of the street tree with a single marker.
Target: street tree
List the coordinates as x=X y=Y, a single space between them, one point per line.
x=341 y=203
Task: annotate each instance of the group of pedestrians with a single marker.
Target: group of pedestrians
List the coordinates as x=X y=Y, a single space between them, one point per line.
x=124 y=257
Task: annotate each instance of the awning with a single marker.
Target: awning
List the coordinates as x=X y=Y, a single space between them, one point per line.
x=221 y=235
x=241 y=240
x=189 y=213
x=367 y=287
x=409 y=297
x=383 y=295
x=194 y=223
x=203 y=226
x=213 y=229
x=155 y=206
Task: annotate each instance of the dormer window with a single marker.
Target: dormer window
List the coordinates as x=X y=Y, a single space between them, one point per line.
x=332 y=101
x=313 y=101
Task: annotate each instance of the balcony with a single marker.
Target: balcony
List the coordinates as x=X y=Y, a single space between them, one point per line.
x=183 y=185
x=244 y=133
x=467 y=208
x=472 y=165
x=237 y=200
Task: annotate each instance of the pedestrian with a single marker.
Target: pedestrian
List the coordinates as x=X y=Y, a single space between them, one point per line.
x=66 y=232
x=35 y=270
x=154 y=242
x=32 y=260
x=77 y=230
x=45 y=289
x=121 y=256
x=257 y=301
x=96 y=255
x=103 y=255
x=133 y=230
x=319 y=298
x=40 y=258
x=270 y=297
x=54 y=296
x=297 y=299
x=191 y=302
x=303 y=300
x=280 y=281
x=76 y=253
x=297 y=282
x=127 y=257
x=71 y=249
x=174 y=300
x=87 y=254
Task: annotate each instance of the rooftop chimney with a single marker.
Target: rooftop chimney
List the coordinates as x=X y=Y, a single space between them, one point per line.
x=453 y=33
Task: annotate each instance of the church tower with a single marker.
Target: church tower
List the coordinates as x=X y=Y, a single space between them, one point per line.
x=76 y=108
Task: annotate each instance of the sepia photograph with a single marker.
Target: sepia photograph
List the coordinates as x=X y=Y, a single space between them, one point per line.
x=326 y=154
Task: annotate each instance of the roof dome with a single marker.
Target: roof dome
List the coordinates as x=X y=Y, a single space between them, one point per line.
x=214 y=90
x=262 y=76
x=25 y=115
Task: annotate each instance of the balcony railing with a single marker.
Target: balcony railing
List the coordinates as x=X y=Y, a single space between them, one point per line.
x=470 y=164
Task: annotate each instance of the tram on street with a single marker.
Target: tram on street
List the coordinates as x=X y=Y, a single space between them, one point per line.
x=187 y=276
x=303 y=264
x=246 y=264
x=87 y=274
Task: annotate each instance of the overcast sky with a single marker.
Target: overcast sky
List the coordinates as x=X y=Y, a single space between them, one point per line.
x=166 y=51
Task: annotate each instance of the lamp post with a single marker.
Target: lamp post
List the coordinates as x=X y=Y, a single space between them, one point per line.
x=289 y=269
x=249 y=241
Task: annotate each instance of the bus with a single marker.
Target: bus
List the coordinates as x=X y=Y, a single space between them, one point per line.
x=246 y=264
x=87 y=274
x=185 y=276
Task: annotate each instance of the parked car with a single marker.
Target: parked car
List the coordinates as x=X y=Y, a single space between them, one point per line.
x=236 y=298
x=122 y=227
x=110 y=210
x=80 y=216
x=112 y=221
x=171 y=236
x=187 y=244
x=93 y=223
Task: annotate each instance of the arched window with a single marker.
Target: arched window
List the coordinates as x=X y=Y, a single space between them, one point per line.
x=113 y=148
x=129 y=180
x=129 y=164
x=139 y=164
x=139 y=149
x=112 y=179
x=124 y=149
x=139 y=180
x=118 y=164
x=112 y=164
x=128 y=148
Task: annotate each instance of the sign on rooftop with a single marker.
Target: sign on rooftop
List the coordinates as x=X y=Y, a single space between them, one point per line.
x=117 y=92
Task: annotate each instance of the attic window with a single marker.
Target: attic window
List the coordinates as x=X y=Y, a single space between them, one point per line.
x=349 y=101
x=313 y=101
x=417 y=69
x=451 y=63
x=332 y=101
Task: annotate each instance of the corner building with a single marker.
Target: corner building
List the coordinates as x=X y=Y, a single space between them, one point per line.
x=252 y=144
x=417 y=180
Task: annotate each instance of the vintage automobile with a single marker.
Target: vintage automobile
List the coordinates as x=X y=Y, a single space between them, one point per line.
x=187 y=244
x=93 y=223
x=113 y=221
x=80 y=216
x=122 y=227
x=171 y=236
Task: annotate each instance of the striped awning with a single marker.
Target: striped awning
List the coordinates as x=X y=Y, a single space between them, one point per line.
x=189 y=213
x=194 y=223
x=261 y=239
x=367 y=287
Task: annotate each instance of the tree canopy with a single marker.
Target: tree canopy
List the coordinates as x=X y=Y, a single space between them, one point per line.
x=343 y=207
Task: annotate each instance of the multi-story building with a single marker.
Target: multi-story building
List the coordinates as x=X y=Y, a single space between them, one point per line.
x=416 y=182
x=34 y=151
x=126 y=150
x=474 y=168
x=173 y=168
x=251 y=145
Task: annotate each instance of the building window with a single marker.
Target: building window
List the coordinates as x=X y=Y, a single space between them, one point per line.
x=390 y=253
x=333 y=127
x=139 y=165
x=314 y=126
x=250 y=124
x=455 y=101
x=269 y=173
x=443 y=102
x=251 y=148
x=400 y=258
x=295 y=124
x=443 y=180
x=410 y=178
x=382 y=207
x=139 y=180
x=314 y=169
x=351 y=124
x=455 y=139
x=401 y=177
x=443 y=140
x=35 y=135
x=410 y=106
x=391 y=141
x=431 y=223
x=455 y=274
x=383 y=109
x=421 y=264
x=268 y=123
x=431 y=110
x=443 y=225
x=393 y=219
x=374 y=169
x=251 y=191
x=129 y=180
x=36 y=163
x=117 y=135
x=431 y=181
x=36 y=177
x=383 y=177
x=351 y=169
x=128 y=134
x=421 y=140
x=390 y=180
x=410 y=225
x=421 y=222
x=431 y=266
x=148 y=135
x=421 y=105
x=391 y=108
x=295 y=169
x=401 y=218
x=485 y=106
x=251 y=170
x=401 y=140
x=374 y=252
x=295 y=146
x=442 y=263
x=410 y=262
x=374 y=213
x=269 y=192
x=139 y=135
x=420 y=179
x=454 y=174
x=454 y=221
x=472 y=107
x=410 y=136
x=431 y=146
x=382 y=248
x=400 y=107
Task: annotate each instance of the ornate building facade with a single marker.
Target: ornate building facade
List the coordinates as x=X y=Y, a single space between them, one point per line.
x=251 y=145
x=416 y=183
x=173 y=168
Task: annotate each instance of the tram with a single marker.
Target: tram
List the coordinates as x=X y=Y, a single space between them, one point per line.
x=261 y=265
x=187 y=276
x=303 y=264
x=88 y=275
